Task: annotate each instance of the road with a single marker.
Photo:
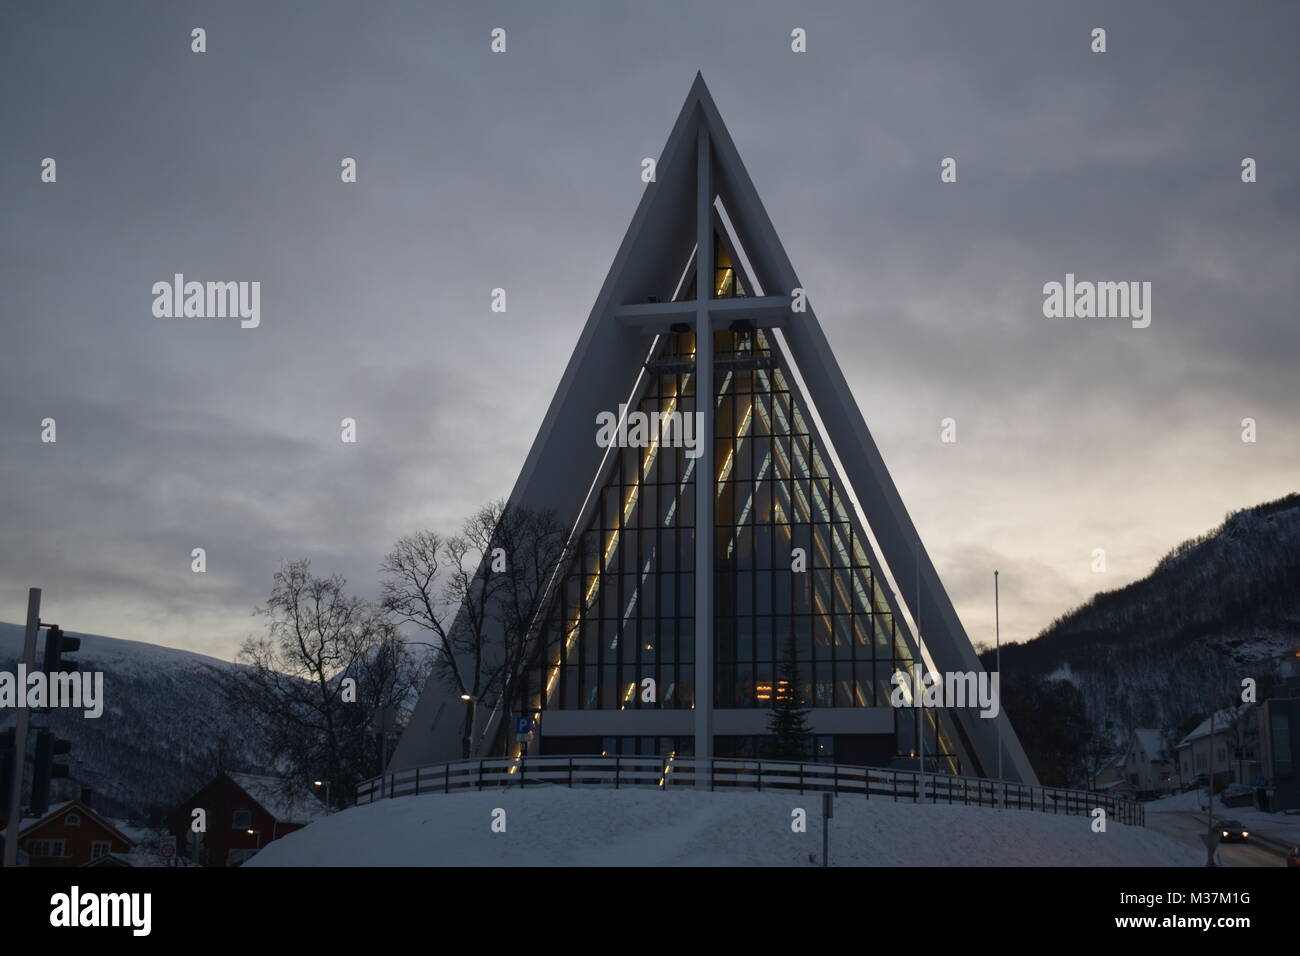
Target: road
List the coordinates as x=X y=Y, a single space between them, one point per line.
x=1189 y=827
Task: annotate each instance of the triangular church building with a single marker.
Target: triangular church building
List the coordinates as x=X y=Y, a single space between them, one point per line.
x=706 y=545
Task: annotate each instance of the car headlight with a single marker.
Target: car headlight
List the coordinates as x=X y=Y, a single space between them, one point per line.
x=1225 y=832
x=1245 y=833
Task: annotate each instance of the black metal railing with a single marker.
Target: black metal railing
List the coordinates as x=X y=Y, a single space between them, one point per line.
x=734 y=773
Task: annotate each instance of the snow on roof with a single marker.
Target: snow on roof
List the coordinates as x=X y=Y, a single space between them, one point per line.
x=1116 y=761
x=1222 y=721
x=287 y=804
x=1151 y=741
x=29 y=823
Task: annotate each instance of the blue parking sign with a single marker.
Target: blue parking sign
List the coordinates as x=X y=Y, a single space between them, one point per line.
x=523 y=725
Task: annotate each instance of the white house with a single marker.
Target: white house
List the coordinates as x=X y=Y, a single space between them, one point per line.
x=1236 y=742
x=1147 y=764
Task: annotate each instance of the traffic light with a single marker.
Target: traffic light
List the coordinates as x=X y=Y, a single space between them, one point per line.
x=6 y=770
x=56 y=645
x=48 y=747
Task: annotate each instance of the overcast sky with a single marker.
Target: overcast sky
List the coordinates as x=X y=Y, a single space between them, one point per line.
x=521 y=170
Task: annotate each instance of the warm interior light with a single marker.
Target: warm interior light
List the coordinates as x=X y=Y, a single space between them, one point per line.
x=571 y=631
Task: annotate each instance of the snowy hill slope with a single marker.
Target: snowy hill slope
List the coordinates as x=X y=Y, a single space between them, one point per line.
x=557 y=826
x=164 y=719
x=1217 y=608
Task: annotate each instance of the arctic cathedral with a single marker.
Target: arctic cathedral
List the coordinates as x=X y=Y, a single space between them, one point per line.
x=699 y=557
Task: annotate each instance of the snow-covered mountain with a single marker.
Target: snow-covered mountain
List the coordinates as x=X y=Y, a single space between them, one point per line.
x=164 y=727
x=1165 y=650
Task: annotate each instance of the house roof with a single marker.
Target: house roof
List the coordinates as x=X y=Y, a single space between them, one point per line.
x=1117 y=761
x=1152 y=742
x=1222 y=721
x=286 y=804
x=30 y=824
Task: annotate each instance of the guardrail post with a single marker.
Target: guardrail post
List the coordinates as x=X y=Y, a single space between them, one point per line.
x=446 y=778
x=480 y=774
x=570 y=771
x=618 y=766
x=417 y=781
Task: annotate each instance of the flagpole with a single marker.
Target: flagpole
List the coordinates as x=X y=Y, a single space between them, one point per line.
x=997 y=632
x=920 y=659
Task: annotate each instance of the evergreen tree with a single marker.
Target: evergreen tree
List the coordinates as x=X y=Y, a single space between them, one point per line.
x=790 y=737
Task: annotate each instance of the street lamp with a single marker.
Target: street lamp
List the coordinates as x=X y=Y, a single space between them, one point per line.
x=473 y=717
x=326 y=785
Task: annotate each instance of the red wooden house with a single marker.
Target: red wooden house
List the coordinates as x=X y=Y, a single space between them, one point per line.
x=70 y=834
x=244 y=812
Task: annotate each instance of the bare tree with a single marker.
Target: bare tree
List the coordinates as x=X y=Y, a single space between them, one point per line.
x=533 y=543
x=443 y=586
x=328 y=664
x=478 y=594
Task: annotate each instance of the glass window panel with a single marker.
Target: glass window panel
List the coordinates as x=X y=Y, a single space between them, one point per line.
x=745 y=629
x=745 y=686
x=825 y=690
x=766 y=636
x=686 y=687
x=686 y=639
x=762 y=537
x=803 y=627
x=802 y=583
x=609 y=688
x=822 y=634
x=762 y=592
x=844 y=685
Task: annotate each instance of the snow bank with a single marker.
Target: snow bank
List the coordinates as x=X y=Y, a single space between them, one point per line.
x=563 y=827
x=1191 y=800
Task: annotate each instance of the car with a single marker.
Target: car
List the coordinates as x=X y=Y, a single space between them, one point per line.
x=1231 y=830
x=1293 y=857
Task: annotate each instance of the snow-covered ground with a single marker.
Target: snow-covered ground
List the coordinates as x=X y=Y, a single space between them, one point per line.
x=1281 y=826
x=563 y=827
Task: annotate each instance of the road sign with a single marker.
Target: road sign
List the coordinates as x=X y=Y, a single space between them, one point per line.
x=523 y=727
x=168 y=849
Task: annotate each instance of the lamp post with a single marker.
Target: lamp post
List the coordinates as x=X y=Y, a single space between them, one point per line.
x=997 y=637
x=1211 y=842
x=920 y=660
x=326 y=785
x=473 y=718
